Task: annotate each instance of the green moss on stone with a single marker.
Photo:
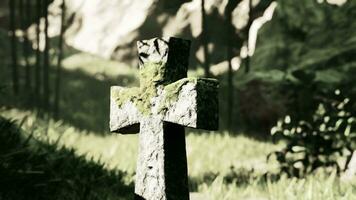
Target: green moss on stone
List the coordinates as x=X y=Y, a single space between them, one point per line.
x=125 y=95
x=151 y=75
x=172 y=90
x=172 y=93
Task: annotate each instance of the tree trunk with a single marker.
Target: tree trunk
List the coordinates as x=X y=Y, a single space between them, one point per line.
x=46 y=61
x=250 y=20
x=27 y=47
x=59 y=62
x=23 y=11
x=205 y=38
x=15 y=78
x=230 y=88
x=38 y=98
x=229 y=55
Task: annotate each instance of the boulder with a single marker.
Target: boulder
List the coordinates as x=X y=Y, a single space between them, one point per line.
x=109 y=28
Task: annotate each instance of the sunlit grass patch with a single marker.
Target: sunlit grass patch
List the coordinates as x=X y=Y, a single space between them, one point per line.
x=221 y=166
x=217 y=152
x=315 y=187
x=98 y=67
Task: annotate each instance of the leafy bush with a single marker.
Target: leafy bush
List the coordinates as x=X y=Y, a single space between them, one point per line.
x=318 y=140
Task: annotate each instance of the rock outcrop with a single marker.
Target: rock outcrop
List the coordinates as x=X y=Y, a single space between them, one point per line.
x=109 y=28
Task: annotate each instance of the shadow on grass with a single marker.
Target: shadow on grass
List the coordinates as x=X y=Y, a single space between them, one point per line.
x=84 y=102
x=84 y=98
x=33 y=170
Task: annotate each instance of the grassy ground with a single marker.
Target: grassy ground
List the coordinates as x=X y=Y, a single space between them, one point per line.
x=34 y=169
x=221 y=166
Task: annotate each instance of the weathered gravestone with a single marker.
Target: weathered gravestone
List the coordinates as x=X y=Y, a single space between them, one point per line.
x=165 y=102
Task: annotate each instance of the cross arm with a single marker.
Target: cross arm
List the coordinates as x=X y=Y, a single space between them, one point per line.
x=124 y=116
x=192 y=102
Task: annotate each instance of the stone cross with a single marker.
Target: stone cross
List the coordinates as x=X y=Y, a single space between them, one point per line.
x=159 y=109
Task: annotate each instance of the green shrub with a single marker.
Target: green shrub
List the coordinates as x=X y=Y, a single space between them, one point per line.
x=320 y=139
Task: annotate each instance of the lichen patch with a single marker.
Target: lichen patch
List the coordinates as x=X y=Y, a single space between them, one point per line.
x=151 y=75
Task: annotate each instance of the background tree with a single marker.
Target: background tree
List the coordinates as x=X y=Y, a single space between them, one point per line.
x=205 y=40
x=46 y=60
x=15 y=77
x=59 y=62
x=236 y=38
x=28 y=48
x=249 y=23
x=229 y=55
x=38 y=70
x=24 y=18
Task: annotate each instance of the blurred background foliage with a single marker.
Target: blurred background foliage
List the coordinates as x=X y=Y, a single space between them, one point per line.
x=302 y=57
x=295 y=80
x=318 y=140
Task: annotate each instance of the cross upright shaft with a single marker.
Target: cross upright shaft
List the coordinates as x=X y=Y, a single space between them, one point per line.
x=165 y=102
x=162 y=163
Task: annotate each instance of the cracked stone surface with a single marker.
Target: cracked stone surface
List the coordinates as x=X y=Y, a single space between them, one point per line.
x=159 y=109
